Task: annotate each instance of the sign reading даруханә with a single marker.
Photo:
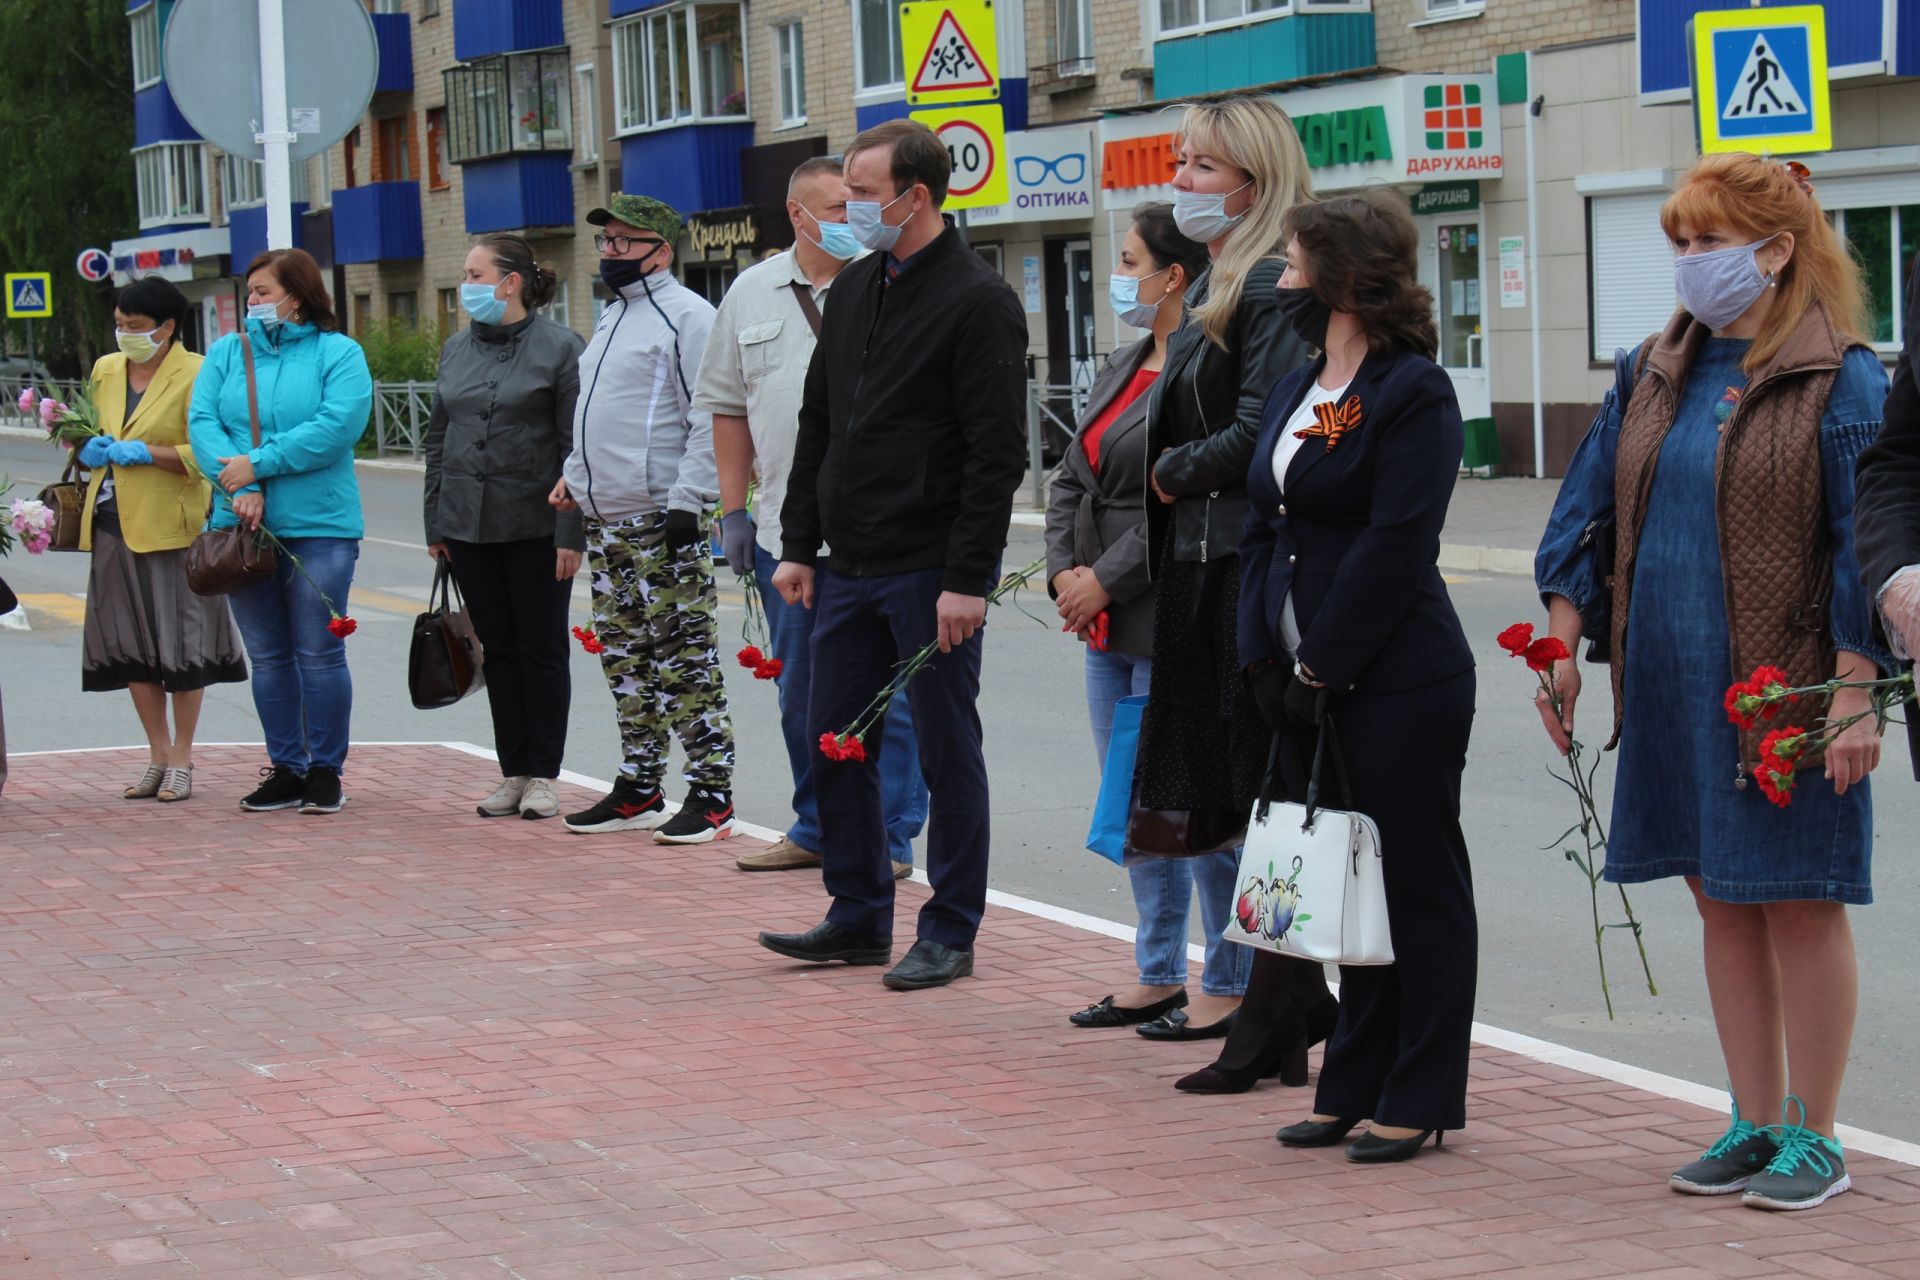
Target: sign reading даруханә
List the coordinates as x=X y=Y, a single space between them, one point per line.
x=1050 y=175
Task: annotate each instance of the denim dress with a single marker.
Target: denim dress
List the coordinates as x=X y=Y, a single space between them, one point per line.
x=1677 y=810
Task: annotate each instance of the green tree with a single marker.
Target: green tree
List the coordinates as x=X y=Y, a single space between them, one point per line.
x=66 y=178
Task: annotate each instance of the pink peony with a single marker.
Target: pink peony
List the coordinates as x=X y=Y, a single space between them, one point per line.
x=49 y=410
x=27 y=397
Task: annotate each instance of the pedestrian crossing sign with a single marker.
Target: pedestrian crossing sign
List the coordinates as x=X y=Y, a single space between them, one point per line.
x=1760 y=80
x=952 y=49
x=29 y=295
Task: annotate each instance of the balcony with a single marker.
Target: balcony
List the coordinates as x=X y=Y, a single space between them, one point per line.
x=247 y=232
x=512 y=193
x=1050 y=78
x=394 y=32
x=378 y=222
x=157 y=119
x=693 y=167
x=482 y=28
x=1267 y=52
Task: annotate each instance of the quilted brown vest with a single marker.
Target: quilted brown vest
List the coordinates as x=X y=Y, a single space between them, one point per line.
x=1776 y=558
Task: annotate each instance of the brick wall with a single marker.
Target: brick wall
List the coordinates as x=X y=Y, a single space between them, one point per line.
x=1407 y=41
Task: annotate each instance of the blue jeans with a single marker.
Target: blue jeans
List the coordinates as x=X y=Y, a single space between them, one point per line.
x=1163 y=887
x=301 y=689
x=903 y=793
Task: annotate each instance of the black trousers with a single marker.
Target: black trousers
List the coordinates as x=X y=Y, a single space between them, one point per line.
x=520 y=614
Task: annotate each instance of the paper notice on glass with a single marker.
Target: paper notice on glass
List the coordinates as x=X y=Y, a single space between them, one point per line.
x=1513 y=272
x=1030 y=279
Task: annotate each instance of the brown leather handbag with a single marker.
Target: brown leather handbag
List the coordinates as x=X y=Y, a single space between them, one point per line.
x=1181 y=833
x=67 y=499
x=222 y=561
x=445 y=662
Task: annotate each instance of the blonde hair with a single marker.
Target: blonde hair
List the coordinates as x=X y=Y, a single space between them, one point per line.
x=1255 y=136
x=1759 y=198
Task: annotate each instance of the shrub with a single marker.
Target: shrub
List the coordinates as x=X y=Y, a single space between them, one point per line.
x=401 y=351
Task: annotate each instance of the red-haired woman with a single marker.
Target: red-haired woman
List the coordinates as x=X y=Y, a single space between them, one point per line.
x=1725 y=457
x=313 y=393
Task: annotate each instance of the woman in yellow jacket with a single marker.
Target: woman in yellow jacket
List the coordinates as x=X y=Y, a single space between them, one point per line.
x=146 y=499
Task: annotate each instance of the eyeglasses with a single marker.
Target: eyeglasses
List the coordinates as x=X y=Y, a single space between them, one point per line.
x=620 y=244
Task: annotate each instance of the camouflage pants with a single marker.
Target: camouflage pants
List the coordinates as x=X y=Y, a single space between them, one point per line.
x=657 y=613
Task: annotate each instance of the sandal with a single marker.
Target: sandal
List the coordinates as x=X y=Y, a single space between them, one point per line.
x=177 y=785
x=149 y=783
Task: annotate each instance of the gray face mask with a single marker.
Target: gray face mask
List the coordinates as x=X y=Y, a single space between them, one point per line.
x=1717 y=288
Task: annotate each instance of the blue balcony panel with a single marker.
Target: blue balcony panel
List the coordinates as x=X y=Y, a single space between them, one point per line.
x=157 y=119
x=247 y=233
x=1906 y=43
x=379 y=222
x=512 y=192
x=693 y=168
x=1013 y=107
x=394 y=34
x=1855 y=29
x=482 y=28
x=621 y=8
x=1263 y=53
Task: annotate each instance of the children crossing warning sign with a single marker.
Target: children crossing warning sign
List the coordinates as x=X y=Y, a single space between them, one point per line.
x=1760 y=80
x=952 y=48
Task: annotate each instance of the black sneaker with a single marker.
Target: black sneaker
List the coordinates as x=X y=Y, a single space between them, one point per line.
x=323 y=791
x=282 y=789
x=628 y=807
x=707 y=815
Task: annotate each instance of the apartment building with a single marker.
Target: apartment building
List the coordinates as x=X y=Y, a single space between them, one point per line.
x=521 y=114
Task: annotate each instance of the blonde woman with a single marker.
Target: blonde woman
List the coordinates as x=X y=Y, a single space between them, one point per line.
x=1204 y=747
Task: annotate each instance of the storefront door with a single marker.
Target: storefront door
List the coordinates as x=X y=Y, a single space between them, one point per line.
x=1079 y=303
x=1452 y=265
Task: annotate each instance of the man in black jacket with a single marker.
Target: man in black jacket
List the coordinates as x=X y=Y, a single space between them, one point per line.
x=911 y=444
x=1886 y=506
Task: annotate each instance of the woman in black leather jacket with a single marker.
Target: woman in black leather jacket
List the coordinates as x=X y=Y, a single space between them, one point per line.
x=1204 y=748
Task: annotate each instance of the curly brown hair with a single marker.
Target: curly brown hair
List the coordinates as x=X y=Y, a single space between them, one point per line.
x=1362 y=256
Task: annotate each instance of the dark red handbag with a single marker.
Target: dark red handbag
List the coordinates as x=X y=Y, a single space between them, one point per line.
x=222 y=561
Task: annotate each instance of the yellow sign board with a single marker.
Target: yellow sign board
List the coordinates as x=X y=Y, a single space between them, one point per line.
x=29 y=295
x=1760 y=80
x=976 y=139
x=950 y=51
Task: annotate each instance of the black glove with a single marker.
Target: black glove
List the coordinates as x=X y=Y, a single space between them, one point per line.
x=1305 y=703
x=1268 y=683
x=682 y=530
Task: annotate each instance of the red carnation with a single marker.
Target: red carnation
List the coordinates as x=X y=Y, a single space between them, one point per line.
x=751 y=658
x=830 y=746
x=856 y=751
x=1516 y=638
x=769 y=670
x=1776 y=782
x=1783 y=745
x=588 y=641
x=342 y=626
x=1743 y=704
x=1543 y=653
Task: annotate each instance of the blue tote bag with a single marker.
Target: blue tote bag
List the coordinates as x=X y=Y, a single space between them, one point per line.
x=1108 y=834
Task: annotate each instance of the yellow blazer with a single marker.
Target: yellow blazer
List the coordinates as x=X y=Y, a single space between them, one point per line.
x=159 y=511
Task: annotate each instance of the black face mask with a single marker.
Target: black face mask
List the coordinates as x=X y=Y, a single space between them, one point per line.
x=619 y=273
x=1308 y=315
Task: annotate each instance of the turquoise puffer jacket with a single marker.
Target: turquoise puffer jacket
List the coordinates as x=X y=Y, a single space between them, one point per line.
x=315 y=395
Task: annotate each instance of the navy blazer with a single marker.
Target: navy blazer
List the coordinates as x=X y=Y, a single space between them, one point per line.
x=1357 y=538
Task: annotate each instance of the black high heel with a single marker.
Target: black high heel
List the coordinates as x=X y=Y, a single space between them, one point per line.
x=1367 y=1149
x=1316 y=1133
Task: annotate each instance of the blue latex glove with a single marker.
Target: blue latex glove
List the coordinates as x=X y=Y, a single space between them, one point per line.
x=93 y=454
x=129 y=453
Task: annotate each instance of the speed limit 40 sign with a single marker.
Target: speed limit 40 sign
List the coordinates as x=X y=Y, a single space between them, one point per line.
x=976 y=141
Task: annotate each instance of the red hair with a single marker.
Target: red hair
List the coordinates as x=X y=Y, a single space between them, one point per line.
x=300 y=276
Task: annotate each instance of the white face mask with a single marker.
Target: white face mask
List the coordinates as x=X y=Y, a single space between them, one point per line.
x=1203 y=216
x=1717 y=288
x=267 y=313
x=869 y=227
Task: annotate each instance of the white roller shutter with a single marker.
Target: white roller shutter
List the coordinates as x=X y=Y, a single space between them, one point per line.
x=1632 y=270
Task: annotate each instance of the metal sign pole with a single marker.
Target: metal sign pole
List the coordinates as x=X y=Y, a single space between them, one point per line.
x=273 y=137
x=30 y=361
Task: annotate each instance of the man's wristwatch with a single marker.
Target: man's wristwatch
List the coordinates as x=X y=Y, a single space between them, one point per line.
x=1305 y=676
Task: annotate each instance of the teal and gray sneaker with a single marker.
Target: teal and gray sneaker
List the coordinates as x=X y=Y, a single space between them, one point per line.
x=1728 y=1164
x=1808 y=1169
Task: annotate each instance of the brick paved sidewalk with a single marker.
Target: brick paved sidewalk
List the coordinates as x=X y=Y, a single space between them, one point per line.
x=408 y=1042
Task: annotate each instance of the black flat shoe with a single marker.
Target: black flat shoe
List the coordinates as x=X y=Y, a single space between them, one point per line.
x=827 y=942
x=1216 y=1079
x=1175 y=1026
x=929 y=964
x=1316 y=1133
x=1367 y=1149
x=1109 y=1014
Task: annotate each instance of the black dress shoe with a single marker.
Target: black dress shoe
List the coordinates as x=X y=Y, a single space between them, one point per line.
x=1367 y=1149
x=826 y=941
x=1109 y=1014
x=929 y=964
x=1175 y=1026
x=1316 y=1133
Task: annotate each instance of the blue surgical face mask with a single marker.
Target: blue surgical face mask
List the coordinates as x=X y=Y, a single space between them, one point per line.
x=1717 y=288
x=869 y=227
x=836 y=238
x=1203 y=216
x=481 y=303
x=1123 y=295
x=267 y=313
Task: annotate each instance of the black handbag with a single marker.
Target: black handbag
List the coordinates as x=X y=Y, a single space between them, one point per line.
x=445 y=662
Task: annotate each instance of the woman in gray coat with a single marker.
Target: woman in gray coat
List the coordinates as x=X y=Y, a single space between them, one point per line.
x=1099 y=574
x=502 y=424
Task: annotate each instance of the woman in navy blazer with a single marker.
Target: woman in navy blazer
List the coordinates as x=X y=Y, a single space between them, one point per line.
x=1343 y=615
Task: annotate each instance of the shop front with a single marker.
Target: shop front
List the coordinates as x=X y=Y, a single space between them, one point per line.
x=718 y=244
x=196 y=261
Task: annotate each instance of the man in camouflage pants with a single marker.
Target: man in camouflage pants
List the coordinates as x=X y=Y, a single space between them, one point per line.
x=642 y=473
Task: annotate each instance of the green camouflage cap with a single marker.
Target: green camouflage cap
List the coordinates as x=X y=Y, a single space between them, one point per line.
x=639 y=211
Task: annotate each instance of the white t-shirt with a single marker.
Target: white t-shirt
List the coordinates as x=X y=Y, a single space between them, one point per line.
x=1288 y=445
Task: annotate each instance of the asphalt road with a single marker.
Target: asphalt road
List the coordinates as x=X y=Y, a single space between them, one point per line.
x=1537 y=971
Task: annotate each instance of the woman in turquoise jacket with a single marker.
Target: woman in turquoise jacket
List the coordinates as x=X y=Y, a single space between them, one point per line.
x=314 y=393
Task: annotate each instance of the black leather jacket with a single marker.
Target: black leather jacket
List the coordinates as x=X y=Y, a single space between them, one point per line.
x=1206 y=412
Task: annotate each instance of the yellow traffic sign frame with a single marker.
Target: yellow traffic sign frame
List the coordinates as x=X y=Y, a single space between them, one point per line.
x=1709 y=96
x=963 y=29
x=46 y=295
x=955 y=126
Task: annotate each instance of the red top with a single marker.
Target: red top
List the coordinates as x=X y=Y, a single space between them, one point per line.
x=1137 y=387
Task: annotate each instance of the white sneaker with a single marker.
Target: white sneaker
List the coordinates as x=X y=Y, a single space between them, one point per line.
x=504 y=800
x=539 y=800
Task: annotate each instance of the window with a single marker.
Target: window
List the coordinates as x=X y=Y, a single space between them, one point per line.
x=1883 y=241
x=243 y=183
x=790 y=42
x=429 y=8
x=876 y=44
x=350 y=156
x=146 y=45
x=1073 y=46
x=589 y=99
x=449 y=311
x=362 y=312
x=404 y=308
x=680 y=64
x=518 y=102
x=1631 y=271
x=321 y=167
x=437 y=165
x=1453 y=8
x=389 y=6
x=393 y=149
x=172 y=183
x=556 y=310
x=1185 y=17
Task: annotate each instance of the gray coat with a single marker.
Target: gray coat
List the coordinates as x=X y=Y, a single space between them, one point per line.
x=501 y=427
x=1100 y=520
